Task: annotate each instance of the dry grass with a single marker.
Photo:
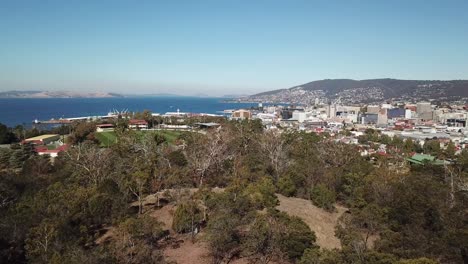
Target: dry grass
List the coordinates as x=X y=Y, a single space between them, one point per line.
x=188 y=252
x=180 y=249
x=320 y=221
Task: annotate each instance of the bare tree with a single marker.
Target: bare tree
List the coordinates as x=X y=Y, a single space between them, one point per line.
x=207 y=152
x=92 y=163
x=274 y=147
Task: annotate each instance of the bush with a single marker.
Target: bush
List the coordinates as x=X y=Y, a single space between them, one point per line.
x=323 y=197
x=276 y=235
x=286 y=186
x=144 y=227
x=186 y=217
x=310 y=256
x=298 y=237
x=177 y=158
x=262 y=193
x=417 y=261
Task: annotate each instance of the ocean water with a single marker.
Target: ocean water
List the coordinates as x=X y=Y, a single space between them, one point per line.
x=24 y=111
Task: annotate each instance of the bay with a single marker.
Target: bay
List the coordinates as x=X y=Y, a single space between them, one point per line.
x=24 y=111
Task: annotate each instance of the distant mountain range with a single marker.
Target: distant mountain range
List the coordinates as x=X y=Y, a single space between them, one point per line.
x=56 y=94
x=358 y=91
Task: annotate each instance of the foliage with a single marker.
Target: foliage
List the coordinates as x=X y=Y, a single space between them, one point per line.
x=187 y=217
x=417 y=261
x=286 y=186
x=432 y=147
x=83 y=131
x=262 y=193
x=278 y=236
x=53 y=211
x=323 y=197
x=6 y=136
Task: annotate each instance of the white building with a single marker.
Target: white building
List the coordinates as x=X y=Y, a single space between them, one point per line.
x=299 y=116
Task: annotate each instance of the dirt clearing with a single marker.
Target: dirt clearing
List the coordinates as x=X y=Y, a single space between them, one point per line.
x=320 y=221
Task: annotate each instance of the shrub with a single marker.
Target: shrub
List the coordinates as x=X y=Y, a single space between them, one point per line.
x=262 y=193
x=286 y=186
x=186 y=217
x=323 y=197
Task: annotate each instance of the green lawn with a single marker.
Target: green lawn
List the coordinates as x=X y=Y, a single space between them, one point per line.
x=108 y=138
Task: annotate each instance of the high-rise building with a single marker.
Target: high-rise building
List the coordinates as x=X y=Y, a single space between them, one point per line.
x=423 y=107
x=382 y=118
x=373 y=109
x=424 y=110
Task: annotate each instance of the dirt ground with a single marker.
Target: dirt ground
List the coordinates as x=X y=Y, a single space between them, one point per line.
x=320 y=221
x=165 y=216
x=188 y=252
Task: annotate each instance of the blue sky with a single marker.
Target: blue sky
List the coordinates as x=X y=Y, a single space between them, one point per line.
x=226 y=47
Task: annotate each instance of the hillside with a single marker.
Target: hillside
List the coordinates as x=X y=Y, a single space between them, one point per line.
x=56 y=94
x=373 y=90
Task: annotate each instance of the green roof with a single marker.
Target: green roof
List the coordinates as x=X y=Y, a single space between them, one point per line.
x=423 y=158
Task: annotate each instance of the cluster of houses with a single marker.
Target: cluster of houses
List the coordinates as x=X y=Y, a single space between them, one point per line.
x=49 y=144
x=419 y=122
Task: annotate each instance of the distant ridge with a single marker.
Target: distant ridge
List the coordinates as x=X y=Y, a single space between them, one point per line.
x=56 y=94
x=368 y=90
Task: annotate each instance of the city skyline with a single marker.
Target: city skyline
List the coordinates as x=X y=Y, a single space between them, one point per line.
x=218 y=48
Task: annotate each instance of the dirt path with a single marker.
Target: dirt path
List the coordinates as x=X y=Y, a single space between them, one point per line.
x=320 y=221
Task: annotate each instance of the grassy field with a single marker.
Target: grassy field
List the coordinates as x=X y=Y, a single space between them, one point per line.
x=108 y=138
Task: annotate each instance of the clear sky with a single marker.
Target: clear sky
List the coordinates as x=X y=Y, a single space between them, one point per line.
x=226 y=47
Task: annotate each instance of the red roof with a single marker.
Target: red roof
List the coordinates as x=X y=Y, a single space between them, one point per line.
x=137 y=122
x=40 y=148
x=43 y=149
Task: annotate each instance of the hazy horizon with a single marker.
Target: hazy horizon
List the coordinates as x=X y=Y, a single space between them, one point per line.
x=218 y=48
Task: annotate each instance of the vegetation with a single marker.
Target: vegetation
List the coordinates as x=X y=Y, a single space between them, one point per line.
x=57 y=211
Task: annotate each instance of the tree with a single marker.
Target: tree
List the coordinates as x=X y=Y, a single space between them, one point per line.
x=450 y=150
x=276 y=235
x=40 y=241
x=92 y=164
x=228 y=213
x=409 y=145
x=20 y=156
x=323 y=197
x=311 y=256
x=296 y=235
x=135 y=239
x=205 y=153
x=137 y=184
x=286 y=186
x=432 y=147
x=223 y=236
x=6 y=136
x=357 y=228
x=83 y=131
x=5 y=154
x=187 y=217
x=262 y=193
x=263 y=241
x=274 y=147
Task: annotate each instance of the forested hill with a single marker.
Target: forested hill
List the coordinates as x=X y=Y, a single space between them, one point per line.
x=164 y=197
x=365 y=90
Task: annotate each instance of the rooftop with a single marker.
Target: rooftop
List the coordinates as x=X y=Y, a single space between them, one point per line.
x=422 y=158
